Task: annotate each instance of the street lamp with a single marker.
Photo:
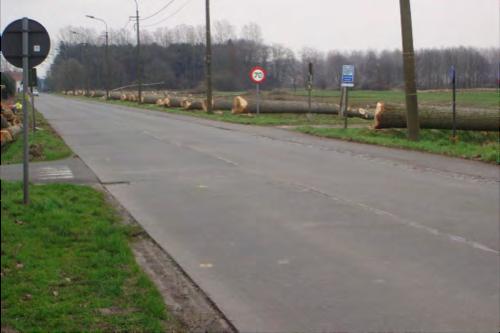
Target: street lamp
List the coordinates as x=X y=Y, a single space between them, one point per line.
x=106 y=51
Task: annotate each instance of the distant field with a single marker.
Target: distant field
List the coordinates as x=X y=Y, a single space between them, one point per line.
x=465 y=98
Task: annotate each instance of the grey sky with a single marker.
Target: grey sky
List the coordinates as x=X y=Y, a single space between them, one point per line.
x=321 y=24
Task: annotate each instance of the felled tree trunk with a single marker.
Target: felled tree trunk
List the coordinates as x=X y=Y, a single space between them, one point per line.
x=218 y=104
x=388 y=116
x=97 y=93
x=4 y=122
x=242 y=105
x=174 y=102
x=150 y=99
x=14 y=130
x=115 y=96
x=132 y=97
x=161 y=101
x=192 y=105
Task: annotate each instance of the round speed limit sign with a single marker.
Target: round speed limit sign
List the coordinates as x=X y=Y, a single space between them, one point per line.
x=258 y=74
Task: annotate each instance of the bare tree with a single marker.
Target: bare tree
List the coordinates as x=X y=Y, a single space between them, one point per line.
x=223 y=31
x=252 y=32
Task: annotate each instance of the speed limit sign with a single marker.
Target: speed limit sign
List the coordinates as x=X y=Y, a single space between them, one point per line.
x=258 y=74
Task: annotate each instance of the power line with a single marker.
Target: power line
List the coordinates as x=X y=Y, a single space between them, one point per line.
x=159 y=11
x=126 y=25
x=170 y=16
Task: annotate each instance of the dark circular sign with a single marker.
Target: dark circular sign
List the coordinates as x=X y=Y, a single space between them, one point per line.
x=38 y=43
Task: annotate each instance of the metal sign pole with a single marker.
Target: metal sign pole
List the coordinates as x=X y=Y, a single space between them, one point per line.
x=25 y=111
x=345 y=105
x=258 y=98
x=309 y=87
x=33 y=109
x=454 y=102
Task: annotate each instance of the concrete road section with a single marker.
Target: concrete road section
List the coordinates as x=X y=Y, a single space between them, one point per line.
x=290 y=233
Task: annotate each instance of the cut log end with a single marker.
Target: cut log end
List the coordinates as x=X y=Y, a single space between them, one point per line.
x=239 y=105
x=379 y=110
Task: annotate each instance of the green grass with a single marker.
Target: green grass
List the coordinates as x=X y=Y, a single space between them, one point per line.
x=54 y=147
x=66 y=261
x=482 y=146
x=465 y=98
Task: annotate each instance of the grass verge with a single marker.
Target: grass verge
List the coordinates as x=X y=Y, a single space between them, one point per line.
x=53 y=145
x=483 y=146
x=67 y=267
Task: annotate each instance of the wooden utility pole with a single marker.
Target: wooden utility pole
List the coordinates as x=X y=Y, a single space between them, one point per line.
x=139 y=73
x=208 y=60
x=409 y=71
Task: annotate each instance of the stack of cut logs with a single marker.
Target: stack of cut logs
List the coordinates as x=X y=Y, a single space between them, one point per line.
x=383 y=115
x=11 y=124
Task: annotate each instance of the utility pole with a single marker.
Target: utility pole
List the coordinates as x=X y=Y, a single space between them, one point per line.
x=412 y=121
x=208 y=60
x=139 y=78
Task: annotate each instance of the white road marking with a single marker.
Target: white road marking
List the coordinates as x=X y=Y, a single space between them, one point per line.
x=401 y=220
x=54 y=173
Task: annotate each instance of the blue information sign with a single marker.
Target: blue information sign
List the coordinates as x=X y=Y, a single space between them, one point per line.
x=347 y=76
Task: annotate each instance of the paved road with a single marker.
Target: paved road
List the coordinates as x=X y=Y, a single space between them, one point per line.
x=287 y=232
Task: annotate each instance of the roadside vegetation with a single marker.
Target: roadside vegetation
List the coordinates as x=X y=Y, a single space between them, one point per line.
x=483 y=146
x=66 y=265
x=46 y=145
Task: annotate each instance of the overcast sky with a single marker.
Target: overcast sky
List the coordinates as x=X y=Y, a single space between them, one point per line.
x=321 y=24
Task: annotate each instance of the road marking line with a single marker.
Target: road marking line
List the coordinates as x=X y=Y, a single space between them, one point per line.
x=52 y=173
x=57 y=176
x=206 y=265
x=403 y=221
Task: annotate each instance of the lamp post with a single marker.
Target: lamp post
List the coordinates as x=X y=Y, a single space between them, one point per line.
x=106 y=51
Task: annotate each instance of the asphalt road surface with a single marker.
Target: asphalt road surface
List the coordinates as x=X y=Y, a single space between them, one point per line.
x=290 y=233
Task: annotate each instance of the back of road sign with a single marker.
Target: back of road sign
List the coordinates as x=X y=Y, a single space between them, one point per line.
x=12 y=43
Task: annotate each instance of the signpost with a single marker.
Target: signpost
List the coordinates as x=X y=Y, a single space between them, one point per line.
x=454 y=100
x=346 y=83
x=258 y=76
x=25 y=44
x=33 y=81
x=309 y=88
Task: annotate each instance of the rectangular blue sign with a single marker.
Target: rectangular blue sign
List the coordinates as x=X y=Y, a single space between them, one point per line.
x=347 y=76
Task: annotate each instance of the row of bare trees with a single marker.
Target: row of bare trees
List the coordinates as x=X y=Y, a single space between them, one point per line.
x=175 y=56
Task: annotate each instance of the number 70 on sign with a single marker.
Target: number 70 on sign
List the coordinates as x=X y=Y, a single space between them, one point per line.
x=258 y=74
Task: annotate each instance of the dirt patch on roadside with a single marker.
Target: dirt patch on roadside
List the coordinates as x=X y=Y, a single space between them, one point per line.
x=186 y=301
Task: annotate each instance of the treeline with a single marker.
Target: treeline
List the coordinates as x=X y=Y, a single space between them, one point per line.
x=176 y=58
